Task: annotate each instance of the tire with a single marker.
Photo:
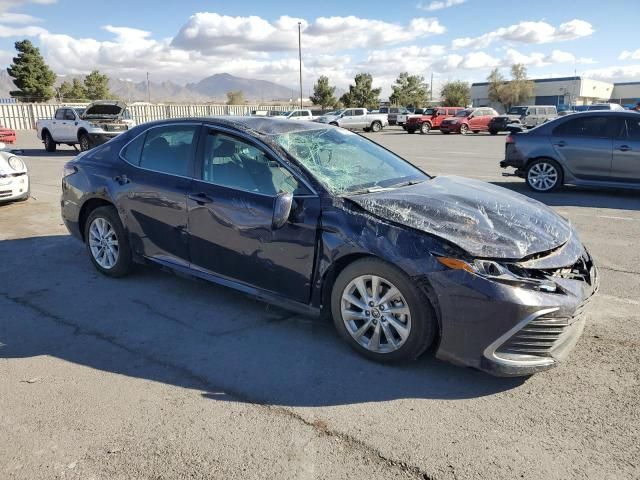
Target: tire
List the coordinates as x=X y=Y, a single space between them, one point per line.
x=49 y=144
x=376 y=127
x=85 y=142
x=425 y=128
x=464 y=129
x=104 y=263
x=544 y=175
x=411 y=130
x=493 y=132
x=402 y=347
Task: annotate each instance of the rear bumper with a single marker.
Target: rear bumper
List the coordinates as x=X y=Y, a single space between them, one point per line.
x=455 y=128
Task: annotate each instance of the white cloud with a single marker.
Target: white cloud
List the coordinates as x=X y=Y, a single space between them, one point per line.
x=439 y=4
x=208 y=32
x=528 y=33
x=18 y=18
x=615 y=73
x=30 y=31
x=628 y=55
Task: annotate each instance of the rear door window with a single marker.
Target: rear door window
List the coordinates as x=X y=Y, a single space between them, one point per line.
x=591 y=126
x=169 y=149
x=358 y=112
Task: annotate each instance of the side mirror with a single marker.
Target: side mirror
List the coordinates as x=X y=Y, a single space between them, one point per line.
x=281 y=210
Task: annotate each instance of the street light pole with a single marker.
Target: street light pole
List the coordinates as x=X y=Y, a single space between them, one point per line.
x=148 y=89
x=300 y=60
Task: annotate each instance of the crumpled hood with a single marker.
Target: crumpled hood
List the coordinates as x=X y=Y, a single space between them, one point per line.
x=104 y=109
x=484 y=220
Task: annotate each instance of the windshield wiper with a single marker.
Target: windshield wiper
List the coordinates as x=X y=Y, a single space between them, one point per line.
x=378 y=188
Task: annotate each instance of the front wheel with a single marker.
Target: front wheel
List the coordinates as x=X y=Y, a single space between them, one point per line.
x=85 y=142
x=107 y=242
x=376 y=127
x=464 y=129
x=381 y=313
x=544 y=175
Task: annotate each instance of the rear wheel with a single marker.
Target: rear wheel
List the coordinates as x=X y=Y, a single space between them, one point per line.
x=544 y=175
x=107 y=242
x=464 y=129
x=376 y=127
x=381 y=313
x=49 y=144
x=425 y=128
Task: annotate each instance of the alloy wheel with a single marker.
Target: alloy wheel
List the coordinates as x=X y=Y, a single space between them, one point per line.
x=103 y=243
x=542 y=176
x=464 y=129
x=376 y=314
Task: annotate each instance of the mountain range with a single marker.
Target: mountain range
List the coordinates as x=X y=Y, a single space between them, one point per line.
x=209 y=89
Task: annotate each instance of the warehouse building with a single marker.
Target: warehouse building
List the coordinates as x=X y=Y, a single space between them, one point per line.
x=566 y=91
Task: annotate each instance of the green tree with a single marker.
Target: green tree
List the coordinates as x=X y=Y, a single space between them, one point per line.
x=520 y=89
x=235 y=98
x=323 y=93
x=409 y=91
x=362 y=94
x=97 y=86
x=497 y=91
x=456 y=94
x=31 y=74
x=72 y=91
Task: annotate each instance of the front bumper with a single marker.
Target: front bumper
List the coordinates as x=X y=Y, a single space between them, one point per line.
x=450 y=128
x=13 y=187
x=510 y=331
x=102 y=137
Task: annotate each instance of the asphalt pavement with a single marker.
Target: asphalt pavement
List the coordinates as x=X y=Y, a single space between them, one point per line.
x=156 y=376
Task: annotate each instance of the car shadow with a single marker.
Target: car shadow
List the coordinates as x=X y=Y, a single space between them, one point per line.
x=41 y=152
x=570 y=196
x=197 y=335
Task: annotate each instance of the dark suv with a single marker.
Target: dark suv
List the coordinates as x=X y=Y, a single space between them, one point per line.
x=527 y=116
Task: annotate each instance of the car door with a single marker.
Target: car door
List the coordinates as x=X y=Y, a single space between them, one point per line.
x=585 y=144
x=58 y=126
x=359 y=118
x=154 y=183
x=70 y=125
x=231 y=208
x=475 y=122
x=625 y=165
x=347 y=119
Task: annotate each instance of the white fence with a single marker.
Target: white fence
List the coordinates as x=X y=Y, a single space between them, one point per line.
x=23 y=116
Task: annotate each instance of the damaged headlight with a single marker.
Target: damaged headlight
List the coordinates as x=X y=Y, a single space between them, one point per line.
x=498 y=272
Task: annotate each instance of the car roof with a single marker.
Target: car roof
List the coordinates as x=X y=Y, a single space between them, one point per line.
x=598 y=113
x=260 y=125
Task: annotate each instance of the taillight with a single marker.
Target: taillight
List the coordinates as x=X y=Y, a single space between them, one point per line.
x=510 y=139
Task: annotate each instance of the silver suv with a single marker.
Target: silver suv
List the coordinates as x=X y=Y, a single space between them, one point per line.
x=599 y=148
x=528 y=116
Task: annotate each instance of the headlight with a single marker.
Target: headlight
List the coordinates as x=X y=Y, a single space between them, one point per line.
x=17 y=164
x=498 y=272
x=94 y=125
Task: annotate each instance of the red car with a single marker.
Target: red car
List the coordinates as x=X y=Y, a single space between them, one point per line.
x=7 y=135
x=469 y=120
x=430 y=119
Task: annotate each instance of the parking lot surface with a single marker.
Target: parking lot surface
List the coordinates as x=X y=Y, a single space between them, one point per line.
x=158 y=376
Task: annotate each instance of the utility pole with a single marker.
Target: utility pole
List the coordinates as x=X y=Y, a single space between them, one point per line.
x=431 y=88
x=148 y=89
x=300 y=59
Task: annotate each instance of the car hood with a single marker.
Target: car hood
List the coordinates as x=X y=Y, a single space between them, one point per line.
x=104 y=110
x=482 y=219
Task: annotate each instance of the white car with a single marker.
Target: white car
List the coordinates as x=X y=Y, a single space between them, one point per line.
x=14 y=177
x=298 y=114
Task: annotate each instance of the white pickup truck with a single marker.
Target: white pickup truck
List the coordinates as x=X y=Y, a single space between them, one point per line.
x=98 y=123
x=298 y=114
x=358 y=118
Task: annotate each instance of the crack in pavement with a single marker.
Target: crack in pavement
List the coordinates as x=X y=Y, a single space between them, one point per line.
x=619 y=270
x=318 y=426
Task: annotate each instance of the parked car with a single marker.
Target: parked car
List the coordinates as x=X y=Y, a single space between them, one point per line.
x=7 y=135
x=329 y=116
x=99 y=122
x=430 y=119
x=360 y=119
x=599 y=106
x=402 y=119
x=468 y=120
x=14 y=177
x=600 y=148
x=528 y=116
x=323 y=221
x=298 y=114
x=393 y=112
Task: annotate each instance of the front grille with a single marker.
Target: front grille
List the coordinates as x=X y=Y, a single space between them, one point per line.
x=541 y=335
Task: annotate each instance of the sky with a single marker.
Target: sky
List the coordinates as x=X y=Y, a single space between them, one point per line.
x=188 y=40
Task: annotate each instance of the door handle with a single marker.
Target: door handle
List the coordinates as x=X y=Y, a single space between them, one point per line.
x=200 y=198
x=561 y=143
x=121 y=179
x=624 y=148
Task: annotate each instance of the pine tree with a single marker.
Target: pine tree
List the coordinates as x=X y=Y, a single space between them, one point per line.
x=31 y=74
x=409 y=91
x=323 y=93
x=456 y=94
x=97 y=86
x=361 y=94
x=74 y=91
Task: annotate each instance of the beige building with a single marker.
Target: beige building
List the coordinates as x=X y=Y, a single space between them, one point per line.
x=566 y=91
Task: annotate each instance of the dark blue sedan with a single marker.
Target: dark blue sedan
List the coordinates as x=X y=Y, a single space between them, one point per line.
x=323 y=221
